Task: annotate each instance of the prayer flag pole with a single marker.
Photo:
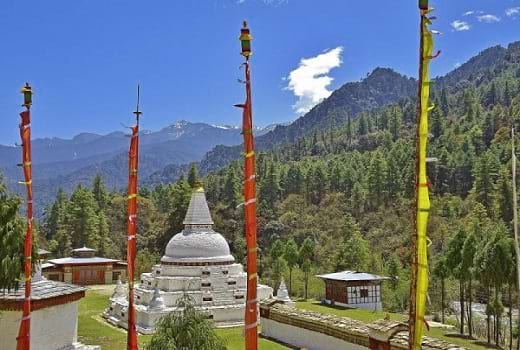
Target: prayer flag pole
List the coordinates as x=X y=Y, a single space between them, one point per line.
x=23 y=341
x=419 y=281
x=251 y=316
x=133 y=160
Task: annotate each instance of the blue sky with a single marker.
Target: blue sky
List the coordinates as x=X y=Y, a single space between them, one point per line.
x=85 y=57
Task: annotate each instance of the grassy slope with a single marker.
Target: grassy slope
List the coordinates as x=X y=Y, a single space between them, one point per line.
x=371 y=316
x=92 y=330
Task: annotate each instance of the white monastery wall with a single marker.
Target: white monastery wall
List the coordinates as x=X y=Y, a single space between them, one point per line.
x=52 y=328
x=304 y=338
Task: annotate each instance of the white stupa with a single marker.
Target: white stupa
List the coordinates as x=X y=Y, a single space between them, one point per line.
x=197 y=263
x=283 y=295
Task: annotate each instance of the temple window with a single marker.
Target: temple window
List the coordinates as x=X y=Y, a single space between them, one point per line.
x=205 y=273
x=205 y=284
x=225 y=272
x=207 y=299
x=231 y=283
x=116 y=275
x=239 y=297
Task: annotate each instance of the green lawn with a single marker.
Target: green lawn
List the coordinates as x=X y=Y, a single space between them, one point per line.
x=368 y=316
x=94 y=331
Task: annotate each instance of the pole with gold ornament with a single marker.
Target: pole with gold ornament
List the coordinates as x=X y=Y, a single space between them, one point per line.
x=419 y=278
x=251 y=315
x=23 y=341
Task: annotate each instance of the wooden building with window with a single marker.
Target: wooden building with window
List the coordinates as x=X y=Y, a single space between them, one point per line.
x=353 y=289
x=83 y=268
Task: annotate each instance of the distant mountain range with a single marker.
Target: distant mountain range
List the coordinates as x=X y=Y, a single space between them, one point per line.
x=65 y=163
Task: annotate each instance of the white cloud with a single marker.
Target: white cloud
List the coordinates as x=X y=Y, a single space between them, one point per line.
x=513 y=11
x=459 y=25
x=240 y=1
x=488 y=18
x=468 y=13
x=309 y=82
x=457 y=65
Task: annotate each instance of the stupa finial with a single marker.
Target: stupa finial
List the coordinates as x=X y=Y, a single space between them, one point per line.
x=198 y=211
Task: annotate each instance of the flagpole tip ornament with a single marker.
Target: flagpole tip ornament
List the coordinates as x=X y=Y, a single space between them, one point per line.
x=245 y=40
x=27 y=95
x=423 y=5
x=137 y=112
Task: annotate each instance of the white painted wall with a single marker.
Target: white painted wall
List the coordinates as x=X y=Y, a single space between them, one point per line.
x=303 y=338
x=51 y=328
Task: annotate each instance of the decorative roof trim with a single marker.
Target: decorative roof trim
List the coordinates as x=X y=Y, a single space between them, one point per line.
x=17 y=305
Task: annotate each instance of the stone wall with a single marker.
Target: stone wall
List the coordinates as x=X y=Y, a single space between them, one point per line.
x=317 y=331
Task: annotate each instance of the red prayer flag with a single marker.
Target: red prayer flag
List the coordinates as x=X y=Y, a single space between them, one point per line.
x=23 y=341
x=133 y=158
x=251 y=316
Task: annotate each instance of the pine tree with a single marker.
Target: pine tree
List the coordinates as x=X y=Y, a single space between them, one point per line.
x=488 y=128
x=100 y=192
x=437 y=122
x=507 y=94
x=454 y=264
x=467 y=268
x=318 y=184
x=57 y=215
x=349 y=129
x=82 y=218
x=445 y=106
x=486 y=173
x=231 y=190
x=269 y=192
x=504 y=196
x=335 y=177
x=192 y=175
x=362 y=125
x=306 y=257
x=294 y=182
x=11 y=240
x=104 y=248
x=292 y=257
x=396 y=123
x=377 y=179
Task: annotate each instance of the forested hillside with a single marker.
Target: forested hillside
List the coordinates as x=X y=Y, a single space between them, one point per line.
x=341 y=197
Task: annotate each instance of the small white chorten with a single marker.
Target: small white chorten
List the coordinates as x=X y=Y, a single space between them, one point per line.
x=120 y=292
x=283 y=295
